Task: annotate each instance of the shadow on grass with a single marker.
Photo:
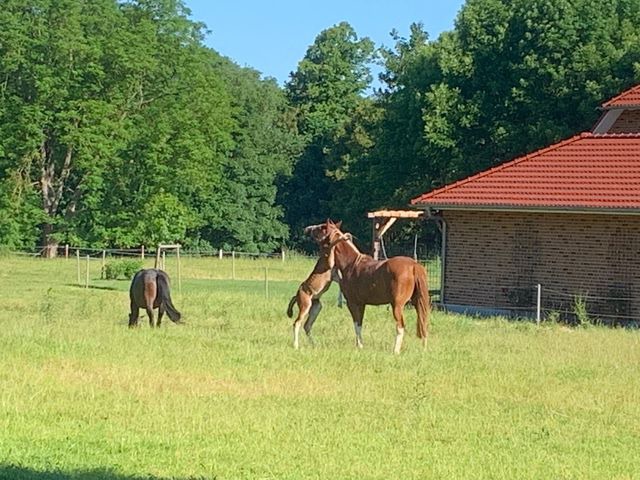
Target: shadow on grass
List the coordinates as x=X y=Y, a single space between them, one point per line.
x=92 y=287
x=14 y=472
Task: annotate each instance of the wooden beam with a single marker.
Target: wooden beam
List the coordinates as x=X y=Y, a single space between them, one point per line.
x=382 y=222
x=395 y=214
x=384 y=226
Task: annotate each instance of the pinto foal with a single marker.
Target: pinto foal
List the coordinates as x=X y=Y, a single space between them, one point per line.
x=318 y=282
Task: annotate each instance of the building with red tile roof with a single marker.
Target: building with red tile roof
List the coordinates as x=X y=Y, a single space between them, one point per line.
x=566 y=217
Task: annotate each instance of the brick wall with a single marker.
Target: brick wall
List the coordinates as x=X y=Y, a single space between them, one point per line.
x=495 y=259
x=627 y=122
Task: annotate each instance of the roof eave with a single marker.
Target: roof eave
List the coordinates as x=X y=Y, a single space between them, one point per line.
x=529 y=209
x=631 y=106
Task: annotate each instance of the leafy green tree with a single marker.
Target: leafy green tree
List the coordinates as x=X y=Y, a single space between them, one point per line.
x=326 y=91
x=118 y=127
x=266 y=142
x=58 y=123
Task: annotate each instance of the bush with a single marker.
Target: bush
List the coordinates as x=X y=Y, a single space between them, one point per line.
x=125 y=268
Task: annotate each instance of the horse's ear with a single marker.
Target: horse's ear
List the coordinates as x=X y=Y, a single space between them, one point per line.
x=329 y=222
x=339 y=224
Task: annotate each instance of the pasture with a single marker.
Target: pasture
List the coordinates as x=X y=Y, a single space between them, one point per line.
x=226 y=397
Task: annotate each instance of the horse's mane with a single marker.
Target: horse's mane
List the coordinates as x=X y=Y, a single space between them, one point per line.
x=360 y=256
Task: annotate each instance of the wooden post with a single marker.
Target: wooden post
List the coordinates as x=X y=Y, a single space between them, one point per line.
x=104 y=263
x=86 y=285
x=164 y=260
x=233 y=265
x=266 y=282
x=179 y=271
x=157 y=263
x=282 y=253
x=142 y=253
x=66 y=251
x=376 y=241
x=78 y=264
x=220 y=254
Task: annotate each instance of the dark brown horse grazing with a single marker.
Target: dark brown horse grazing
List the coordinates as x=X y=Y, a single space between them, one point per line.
x=366 y=281
x=149 y=290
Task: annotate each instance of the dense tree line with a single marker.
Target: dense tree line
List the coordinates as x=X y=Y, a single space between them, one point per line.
x=118 y=127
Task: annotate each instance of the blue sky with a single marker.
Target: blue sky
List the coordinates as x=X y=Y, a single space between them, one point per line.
x=273 y=36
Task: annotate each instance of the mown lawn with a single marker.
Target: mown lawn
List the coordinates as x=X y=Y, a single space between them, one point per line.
x=226 y=397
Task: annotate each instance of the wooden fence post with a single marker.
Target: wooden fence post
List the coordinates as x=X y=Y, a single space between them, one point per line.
x=78 y=264
x=104 y=264
x=233 y=265
x=179 y=270
x=86 y=285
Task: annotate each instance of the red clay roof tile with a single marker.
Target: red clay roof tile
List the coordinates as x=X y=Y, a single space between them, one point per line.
x=588 y=171
x=628 y=98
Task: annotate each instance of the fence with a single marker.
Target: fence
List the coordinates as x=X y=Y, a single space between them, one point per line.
x=215 y=264
x=544 y=303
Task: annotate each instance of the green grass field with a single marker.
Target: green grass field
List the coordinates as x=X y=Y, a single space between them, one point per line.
x=226 y=397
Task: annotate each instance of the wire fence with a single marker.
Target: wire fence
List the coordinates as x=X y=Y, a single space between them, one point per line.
x=573 y=307
x=93 y=264
x=539 y=302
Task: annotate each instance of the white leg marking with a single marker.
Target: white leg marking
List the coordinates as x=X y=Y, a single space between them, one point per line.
x=399 y=336
x=358 y=329
x=296 y=335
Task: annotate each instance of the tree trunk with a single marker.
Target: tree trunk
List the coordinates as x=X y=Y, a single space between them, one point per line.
x=50 y=244
x=52 y=188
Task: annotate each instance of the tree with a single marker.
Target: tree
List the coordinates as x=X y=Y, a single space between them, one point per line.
x=78 y=75
x=118 y=127
x=266 y=142
x=326 y=91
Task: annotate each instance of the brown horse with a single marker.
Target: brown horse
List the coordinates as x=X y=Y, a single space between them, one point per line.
x=317 y=283
x=150 y=289
x=366 y=281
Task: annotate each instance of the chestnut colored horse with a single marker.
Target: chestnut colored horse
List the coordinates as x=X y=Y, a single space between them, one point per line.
x=366 y=281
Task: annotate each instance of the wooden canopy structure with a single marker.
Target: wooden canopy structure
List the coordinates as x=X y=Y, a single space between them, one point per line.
x=382 y=222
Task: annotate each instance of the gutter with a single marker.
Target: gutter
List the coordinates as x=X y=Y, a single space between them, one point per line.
x=514 y=208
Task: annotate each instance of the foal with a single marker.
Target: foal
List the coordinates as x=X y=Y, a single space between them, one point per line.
x=308 y=295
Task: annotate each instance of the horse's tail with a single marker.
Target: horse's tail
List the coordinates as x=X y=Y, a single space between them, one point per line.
x=165 y=298
x=420 y=300
x=290 y=307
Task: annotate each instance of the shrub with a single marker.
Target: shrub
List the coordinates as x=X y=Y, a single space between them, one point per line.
x=125 y=268
x=580 y=311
